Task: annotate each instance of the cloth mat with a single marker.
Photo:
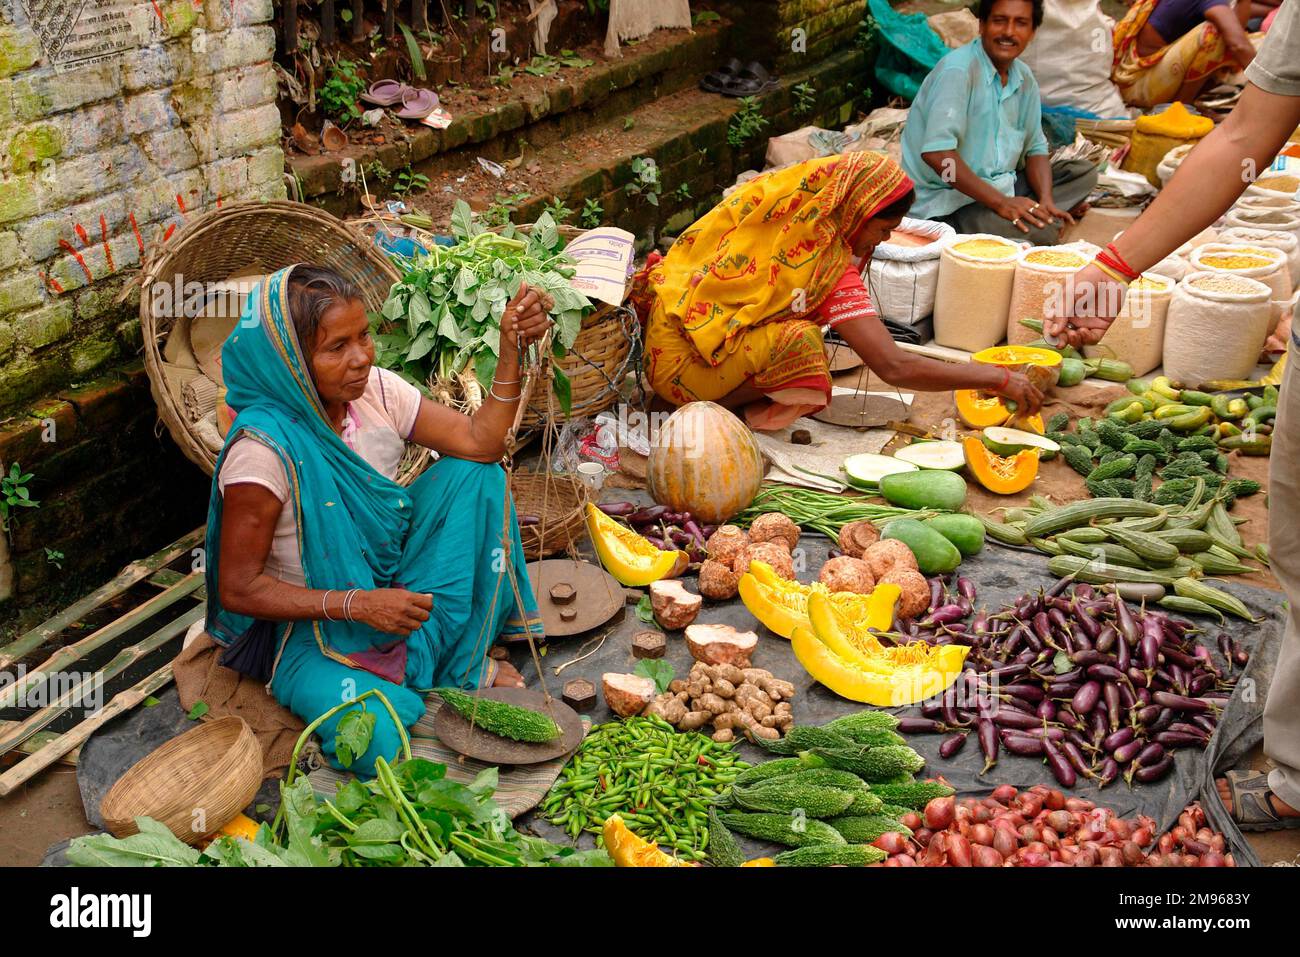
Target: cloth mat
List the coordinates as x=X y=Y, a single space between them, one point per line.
x=520 y=788
x=200 y=677
x=831 y=445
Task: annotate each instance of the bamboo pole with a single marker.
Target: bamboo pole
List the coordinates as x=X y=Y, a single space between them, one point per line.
x=15 y=736
x=37 y=741
x=128 y=576
x=78 y=650
x=122 y=702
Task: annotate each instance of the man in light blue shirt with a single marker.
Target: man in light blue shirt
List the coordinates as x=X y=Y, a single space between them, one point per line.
x=974 y=144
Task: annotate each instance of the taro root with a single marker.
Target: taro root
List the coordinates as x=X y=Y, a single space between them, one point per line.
x=774 y=527
x=884 y=556
x=847 y=574
x=856 y=537
x=725 y=543
x=773 y=553
x=915 y=596
x=720 y=645
x=718 y=581
x=673 y=605
x=627 y=695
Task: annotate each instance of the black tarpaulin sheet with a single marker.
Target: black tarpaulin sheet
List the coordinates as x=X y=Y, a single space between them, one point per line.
x=1001 y=575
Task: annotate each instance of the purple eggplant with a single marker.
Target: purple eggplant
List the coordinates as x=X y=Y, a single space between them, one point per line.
x=1156 y=771
x=966 y=588
x=1023 y=746
x=988 y=738
x=921 y=726
x=1180 y=702
x=1059 y=764
x=1085 y=699
x=1124 y=620
x=952 y=744
x=1109 y=772
x=1149 y=755
x=1127 y=752
x=1118 y=738
x=1180 y=739
x=1110 y=694
x=617 y=509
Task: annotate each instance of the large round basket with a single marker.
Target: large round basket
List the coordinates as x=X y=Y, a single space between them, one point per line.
x=559 y=504
x=242 y=240
x=215 y=768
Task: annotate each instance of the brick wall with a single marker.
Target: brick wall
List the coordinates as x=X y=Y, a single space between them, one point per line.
x=789 y=35
x=115 y=125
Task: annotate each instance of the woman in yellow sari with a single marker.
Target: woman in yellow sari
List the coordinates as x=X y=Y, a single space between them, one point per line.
x=1166 y=50
x=734 y=313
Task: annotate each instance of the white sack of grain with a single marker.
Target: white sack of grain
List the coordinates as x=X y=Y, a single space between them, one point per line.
x=1137 y=336
x=1234 y=258
x=1273 y=239
x=1275 y=215
x=1215 y=328
x=1275 y=185
x=903 y=276
x=974 y=291
x=1041 y=286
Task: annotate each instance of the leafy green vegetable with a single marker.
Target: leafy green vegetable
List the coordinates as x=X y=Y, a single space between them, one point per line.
x=644 y=610
x=353 y=737
x=199 y=710
x=445 y=314
x=657 y=670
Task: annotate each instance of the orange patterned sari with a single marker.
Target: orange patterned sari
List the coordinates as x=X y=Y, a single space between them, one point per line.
x=738 y=296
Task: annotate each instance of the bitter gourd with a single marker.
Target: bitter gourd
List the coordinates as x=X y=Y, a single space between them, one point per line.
x=831 y=855
x=500 y=717
x=788 y=829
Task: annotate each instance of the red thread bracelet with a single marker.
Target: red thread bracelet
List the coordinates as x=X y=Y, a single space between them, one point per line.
x=1120 y=263
x=1006 y=379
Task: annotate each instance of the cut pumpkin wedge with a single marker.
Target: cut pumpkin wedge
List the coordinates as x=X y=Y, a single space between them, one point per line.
x=846 y=657
x=782 y=605
x=980 y=410
x=627 y=556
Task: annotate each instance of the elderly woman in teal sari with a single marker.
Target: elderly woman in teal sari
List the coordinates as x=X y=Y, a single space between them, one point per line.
x=326 y=578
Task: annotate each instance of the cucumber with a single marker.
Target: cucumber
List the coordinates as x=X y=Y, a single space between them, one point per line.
x=925 y=488
x=1003 y=441
x=934 y=553
x=940 y=454
x=866 y=469
x=964 y=531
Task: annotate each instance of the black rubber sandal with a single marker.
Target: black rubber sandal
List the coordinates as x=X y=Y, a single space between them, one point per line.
x=752 y=81
x=1251 y=808
x=720 y=80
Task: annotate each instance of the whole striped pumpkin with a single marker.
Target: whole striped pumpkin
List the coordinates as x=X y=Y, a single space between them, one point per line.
x=704 y=460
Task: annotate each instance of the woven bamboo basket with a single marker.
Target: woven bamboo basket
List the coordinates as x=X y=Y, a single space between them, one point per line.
x=215 y=768
x=223 y=242
x=559 y=502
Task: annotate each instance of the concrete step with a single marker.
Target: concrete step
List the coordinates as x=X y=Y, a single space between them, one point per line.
x=536 y=111
x=685 y=133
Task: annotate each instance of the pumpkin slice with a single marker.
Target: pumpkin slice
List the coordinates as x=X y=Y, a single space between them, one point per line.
x=1003 y=475
x=782 y=605
x=625 y=849
x=867 y=652
x=979 y=410
x=1018 y=356
x=904 y=684
x=940 y=454
x=625 y=554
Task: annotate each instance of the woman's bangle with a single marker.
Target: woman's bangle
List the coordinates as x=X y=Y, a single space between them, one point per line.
x=347 y=604
x=325 y=611
x=502 y=398
x=506 y=381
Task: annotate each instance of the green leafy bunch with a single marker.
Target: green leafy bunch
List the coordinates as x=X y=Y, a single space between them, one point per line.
x=445 y=313
x=339 y=94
